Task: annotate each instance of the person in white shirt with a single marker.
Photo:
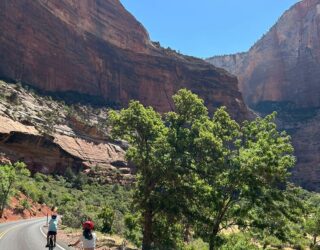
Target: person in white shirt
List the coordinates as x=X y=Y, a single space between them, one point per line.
x=88 y=237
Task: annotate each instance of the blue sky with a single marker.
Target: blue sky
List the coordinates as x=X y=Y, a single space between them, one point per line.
x=204 y=28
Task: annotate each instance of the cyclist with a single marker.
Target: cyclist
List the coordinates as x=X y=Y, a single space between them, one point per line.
x=88 y=237
x=52 y=229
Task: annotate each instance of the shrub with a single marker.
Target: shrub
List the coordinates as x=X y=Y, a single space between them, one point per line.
x=25 y=204
x=239 y=242
x=133 y=229
x=107 y=216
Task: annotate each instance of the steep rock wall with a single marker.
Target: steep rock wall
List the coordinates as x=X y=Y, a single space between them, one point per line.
x=96 y=47
x=282 y=72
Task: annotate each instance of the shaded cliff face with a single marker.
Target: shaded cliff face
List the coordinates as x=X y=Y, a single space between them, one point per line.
x=96 y=47
x=282 y=72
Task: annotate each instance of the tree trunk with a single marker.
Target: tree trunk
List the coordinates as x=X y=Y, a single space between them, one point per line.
x=314 y=240
x=187 y=234
x=213 y=239
x=2 y=206
x=4 y=201
x=147 y=230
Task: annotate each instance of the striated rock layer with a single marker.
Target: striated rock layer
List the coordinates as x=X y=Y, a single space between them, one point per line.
x=50 y=137
x=282 y=72
x=54 y=154
x=95 y=47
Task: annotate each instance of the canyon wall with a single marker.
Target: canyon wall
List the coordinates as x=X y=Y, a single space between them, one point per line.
x=282 y=72
x=97 y=48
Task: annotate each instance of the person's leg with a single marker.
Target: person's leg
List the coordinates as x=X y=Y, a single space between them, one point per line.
x=47 y=239
x=55 y=239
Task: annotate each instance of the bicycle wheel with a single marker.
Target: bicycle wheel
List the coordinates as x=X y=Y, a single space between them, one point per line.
x=51 y=243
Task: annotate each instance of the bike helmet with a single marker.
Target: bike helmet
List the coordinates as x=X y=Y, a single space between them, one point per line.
x=54 y=216
x=88 y=225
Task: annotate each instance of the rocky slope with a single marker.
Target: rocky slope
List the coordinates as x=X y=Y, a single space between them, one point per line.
x=282 y=72
x=15 y=210
x=96 y=48
x=50 y=137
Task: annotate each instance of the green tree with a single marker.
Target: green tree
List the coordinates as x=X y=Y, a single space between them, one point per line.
x=142 y=128
x=178 y=190
x=312 y=226
x=202 y=174
x=9 y=175
x=221 y=174
x=242 y=170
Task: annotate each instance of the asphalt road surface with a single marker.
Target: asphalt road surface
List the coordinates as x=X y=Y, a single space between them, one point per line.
x=26 y=235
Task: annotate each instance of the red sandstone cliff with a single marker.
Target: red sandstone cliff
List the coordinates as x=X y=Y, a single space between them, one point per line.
x=96 y=47
x=284 y=65
x=282 y=72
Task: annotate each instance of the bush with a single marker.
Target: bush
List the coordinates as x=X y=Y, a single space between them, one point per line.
x=25 y=204
x=71 y=220
x=197 y=245
x=239 y=242
x=133 y=229
x=107 y=217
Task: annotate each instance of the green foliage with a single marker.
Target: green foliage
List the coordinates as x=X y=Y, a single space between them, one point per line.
x=236 y=169
x=168 y=233
x=197 y=176
x=107 y=215
x=142 y=128
x=78 y=203
x=80 y=180
x=211 y=173
x=133 y=229
x=239 y=242
x=25 y=204
x=197 y=245
x=10 y=175
x=69 y=175
x=312 y=225
x=75 y=215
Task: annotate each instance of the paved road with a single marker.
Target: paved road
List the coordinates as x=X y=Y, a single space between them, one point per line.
x=25 y=235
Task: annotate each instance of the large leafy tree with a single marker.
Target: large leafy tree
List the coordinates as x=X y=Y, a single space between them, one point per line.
x=243 y=169
x=9 y=176
x=202 y=174
x=175 y=153
x=142 y=128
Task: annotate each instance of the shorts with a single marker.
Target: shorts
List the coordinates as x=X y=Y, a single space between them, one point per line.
x=52 y=233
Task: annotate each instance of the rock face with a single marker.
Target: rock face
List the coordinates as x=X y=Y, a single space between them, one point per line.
x=50 y=137
x=54 y=154
x=284 y=65
x=282 y=72
x=95 y=47
x=15 y=212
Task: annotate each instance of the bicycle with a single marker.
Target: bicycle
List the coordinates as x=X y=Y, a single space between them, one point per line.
x=51 y=242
